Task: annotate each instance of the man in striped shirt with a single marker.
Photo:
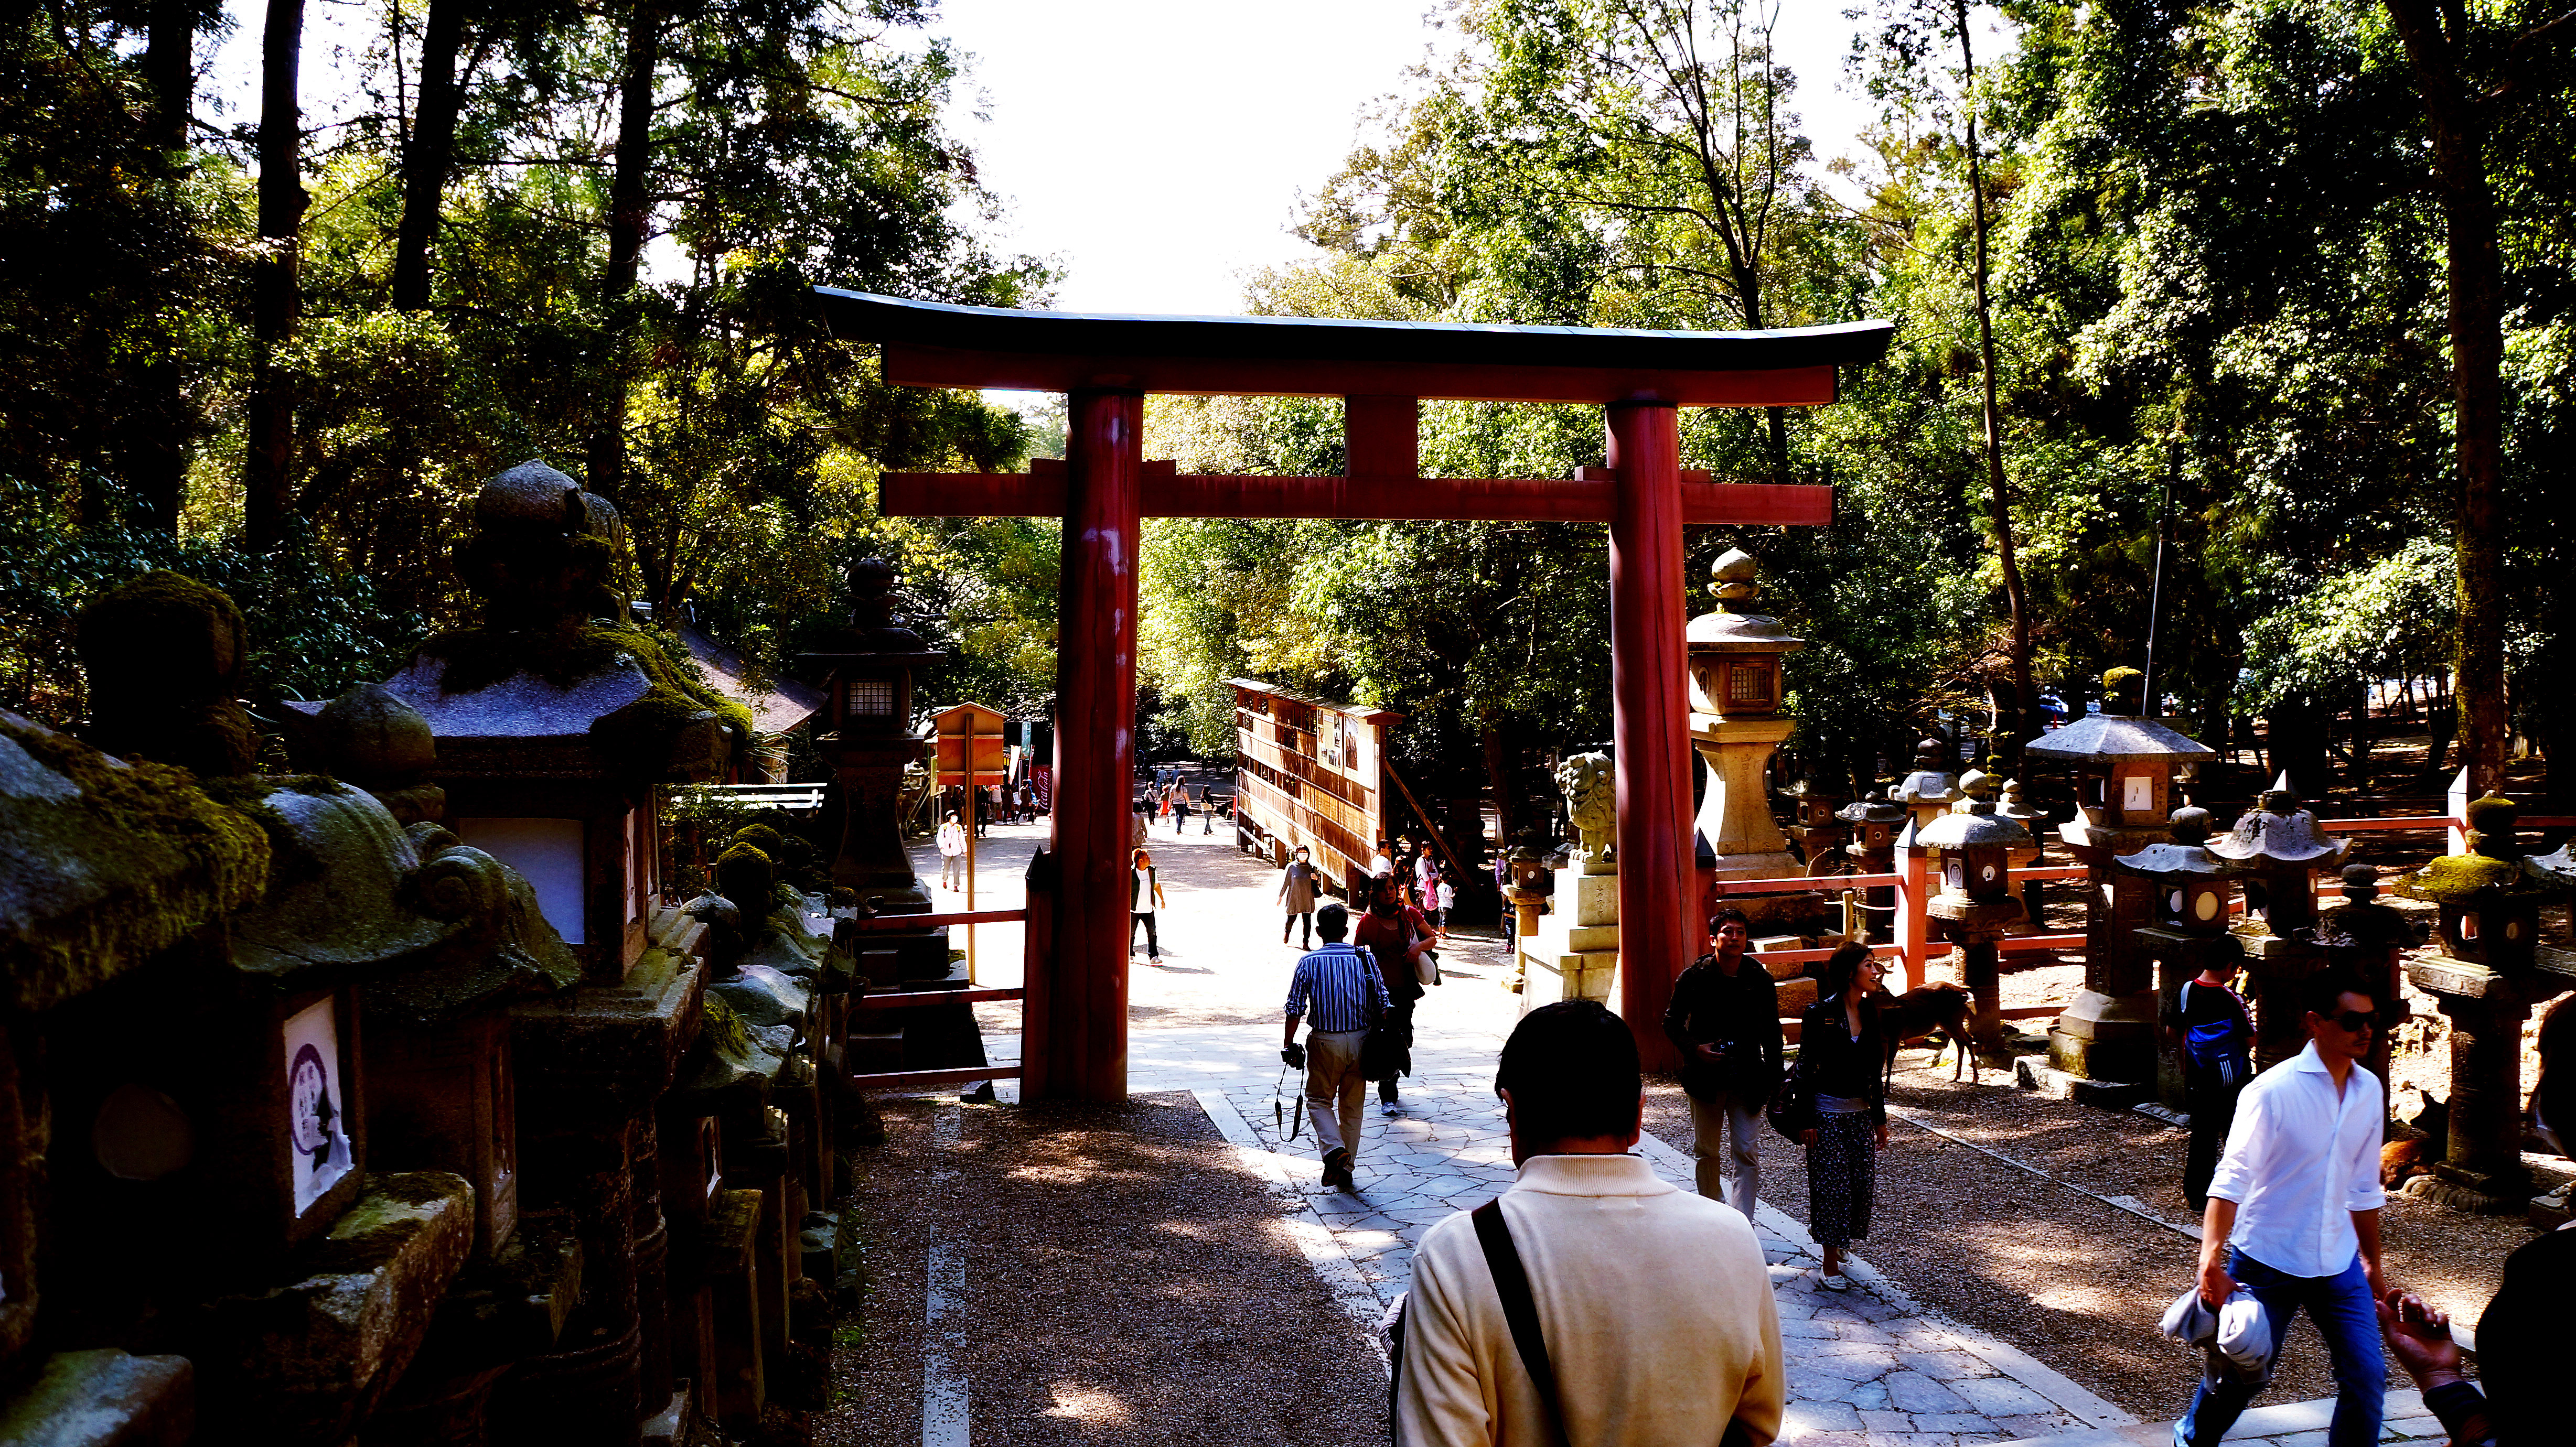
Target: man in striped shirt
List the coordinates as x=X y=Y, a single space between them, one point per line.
x=1339 y=989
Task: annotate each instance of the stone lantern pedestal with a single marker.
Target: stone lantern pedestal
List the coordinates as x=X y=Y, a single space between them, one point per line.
x=1572 y=953
x=2481 y=1167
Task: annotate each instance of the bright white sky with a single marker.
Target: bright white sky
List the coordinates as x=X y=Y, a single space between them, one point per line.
x=1154 y=148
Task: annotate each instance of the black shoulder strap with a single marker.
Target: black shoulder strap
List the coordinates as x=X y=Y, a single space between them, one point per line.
x=1520 y=1309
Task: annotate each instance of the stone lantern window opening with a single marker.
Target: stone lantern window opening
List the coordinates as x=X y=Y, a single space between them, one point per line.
x=549 y=852
x=869 y=698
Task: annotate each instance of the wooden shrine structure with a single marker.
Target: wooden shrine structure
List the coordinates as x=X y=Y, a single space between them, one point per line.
x=1312 y=774
x=1075 y=1033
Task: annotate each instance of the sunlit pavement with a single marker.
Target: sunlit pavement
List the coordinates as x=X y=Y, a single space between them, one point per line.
x=1867 y=1368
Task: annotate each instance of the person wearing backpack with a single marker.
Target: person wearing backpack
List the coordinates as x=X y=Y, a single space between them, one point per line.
x=1593 y=1302
x=2217 y=1054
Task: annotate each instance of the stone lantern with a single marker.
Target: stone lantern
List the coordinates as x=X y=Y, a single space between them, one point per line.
x=1819 y=830
x=2486 y=980
x=2125 y=769
x=1929 y=791
x=1872 y=850
x=2190 y=929
x=1973 y=850
x=867 y=737
x=2273 y=853
x=555 y=722
x=1736 y=723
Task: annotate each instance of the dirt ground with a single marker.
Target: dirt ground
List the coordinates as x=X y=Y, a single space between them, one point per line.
x=1123 y=1285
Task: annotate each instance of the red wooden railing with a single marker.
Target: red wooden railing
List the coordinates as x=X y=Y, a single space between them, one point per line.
x=901 y=999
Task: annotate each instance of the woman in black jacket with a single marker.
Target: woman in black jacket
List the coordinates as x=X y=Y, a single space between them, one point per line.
x=1841 y=1062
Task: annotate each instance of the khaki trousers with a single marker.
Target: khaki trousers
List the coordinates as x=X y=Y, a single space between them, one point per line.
x=1739 y=1115
x=1335 y=1090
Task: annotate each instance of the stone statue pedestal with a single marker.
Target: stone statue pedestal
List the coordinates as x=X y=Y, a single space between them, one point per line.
x=1574 y=953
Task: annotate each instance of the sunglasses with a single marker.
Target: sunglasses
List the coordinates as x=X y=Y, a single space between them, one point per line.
x=2353 y=1020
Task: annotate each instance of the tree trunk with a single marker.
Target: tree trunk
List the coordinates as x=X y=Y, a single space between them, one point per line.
x=1999 y=505
x=429 y=153
x=155 y=464
x=629 y=209
x=282 y=200
x=2457 y=124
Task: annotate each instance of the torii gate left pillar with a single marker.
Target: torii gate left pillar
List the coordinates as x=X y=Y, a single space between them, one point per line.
x=1075 y=1035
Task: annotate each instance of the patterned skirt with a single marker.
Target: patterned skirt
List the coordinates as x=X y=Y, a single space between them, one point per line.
x=1842 y=1178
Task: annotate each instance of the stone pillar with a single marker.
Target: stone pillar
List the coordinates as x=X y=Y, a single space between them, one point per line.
x=2108 y=1033
x=1573 y=954
x=1076 y=1042
x=1649 y=718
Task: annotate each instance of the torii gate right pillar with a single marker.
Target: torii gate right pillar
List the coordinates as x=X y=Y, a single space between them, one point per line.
x=1650 y=719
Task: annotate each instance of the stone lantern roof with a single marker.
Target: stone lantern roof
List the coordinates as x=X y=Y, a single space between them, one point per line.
x=2105 y=738
x=1735 y=627
x=2187 y=854
x=2279 y=835
x=1975 y=823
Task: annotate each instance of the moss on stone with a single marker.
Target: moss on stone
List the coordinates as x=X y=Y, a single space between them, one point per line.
x=188 y=635
x=747 y=877
x=763 y=838
x=2454 y=878
x=171 y=857
x=638 y=740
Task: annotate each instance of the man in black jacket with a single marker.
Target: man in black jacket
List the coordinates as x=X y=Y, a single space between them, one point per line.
x=1725 y=1021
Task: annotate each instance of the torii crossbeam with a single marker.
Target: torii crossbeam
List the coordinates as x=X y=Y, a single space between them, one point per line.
x=1074 y=1040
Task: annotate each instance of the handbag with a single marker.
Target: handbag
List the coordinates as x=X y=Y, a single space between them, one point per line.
x=1792 y=1110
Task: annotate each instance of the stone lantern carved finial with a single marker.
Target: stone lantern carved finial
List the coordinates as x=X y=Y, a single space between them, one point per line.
x=164 y=655
x=1734 y=579
x=542 y=551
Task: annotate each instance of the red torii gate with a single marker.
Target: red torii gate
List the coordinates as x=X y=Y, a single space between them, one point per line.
x=1074 y=1040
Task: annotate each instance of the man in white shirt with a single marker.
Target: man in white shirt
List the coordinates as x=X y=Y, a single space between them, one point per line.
x=952 y=853
x=2294 y=1213
x=1655 y=1321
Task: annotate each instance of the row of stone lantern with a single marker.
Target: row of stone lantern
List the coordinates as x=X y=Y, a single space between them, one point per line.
x=388 y=1102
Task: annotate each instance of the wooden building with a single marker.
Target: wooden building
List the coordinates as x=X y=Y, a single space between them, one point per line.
x=1310 y=773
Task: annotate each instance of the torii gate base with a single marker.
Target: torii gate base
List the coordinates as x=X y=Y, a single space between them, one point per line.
x=1074 y=1041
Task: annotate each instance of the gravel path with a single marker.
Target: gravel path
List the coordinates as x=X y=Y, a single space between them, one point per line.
x=1126 y=1282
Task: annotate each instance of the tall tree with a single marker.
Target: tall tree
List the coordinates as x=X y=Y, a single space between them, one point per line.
x=630 y=211
x=429 y=150
x=2467 y=69
x=1909 y=33
x=267 y=486
x=157 y=461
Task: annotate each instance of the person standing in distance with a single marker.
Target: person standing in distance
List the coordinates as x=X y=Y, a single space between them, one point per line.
x=2217 y=1061
x=1144 y=896
x=2294 y=1213
x=1297 y=885
x=1338 y=989
x=1725 y=1021
x=1180 y=809
x=952 y=853
x=1652 y=1307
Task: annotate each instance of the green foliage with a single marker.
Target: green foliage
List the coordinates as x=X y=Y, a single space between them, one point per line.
x=2391 y=619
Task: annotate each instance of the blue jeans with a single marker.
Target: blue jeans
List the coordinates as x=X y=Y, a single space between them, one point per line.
x=2341 y=1307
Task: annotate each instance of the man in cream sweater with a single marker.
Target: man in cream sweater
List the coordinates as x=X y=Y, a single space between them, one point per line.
x=1654 y=1304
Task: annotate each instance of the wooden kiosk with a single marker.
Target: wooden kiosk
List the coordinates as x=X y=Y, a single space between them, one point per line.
x=1075 y=1040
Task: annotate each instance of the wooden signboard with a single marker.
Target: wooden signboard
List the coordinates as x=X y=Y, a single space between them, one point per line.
x=1310 y=773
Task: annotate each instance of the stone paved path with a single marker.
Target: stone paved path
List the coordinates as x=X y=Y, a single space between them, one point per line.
x=1867 y=1368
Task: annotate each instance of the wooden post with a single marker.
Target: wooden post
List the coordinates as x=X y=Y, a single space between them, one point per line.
x=1649 y=718
x=974 y=826
x=1076 y=1041
x=1913 y=891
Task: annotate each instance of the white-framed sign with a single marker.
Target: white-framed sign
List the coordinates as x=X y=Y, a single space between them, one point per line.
x=316 y=1105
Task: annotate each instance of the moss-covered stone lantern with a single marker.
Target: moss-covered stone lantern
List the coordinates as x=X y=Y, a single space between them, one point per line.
x=868 y=738
x=1972 y=848
x=1817 y=830
x=2486 y=980
x=2124 y=770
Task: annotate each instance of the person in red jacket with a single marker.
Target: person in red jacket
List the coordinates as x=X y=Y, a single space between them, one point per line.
x=1396 y=936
